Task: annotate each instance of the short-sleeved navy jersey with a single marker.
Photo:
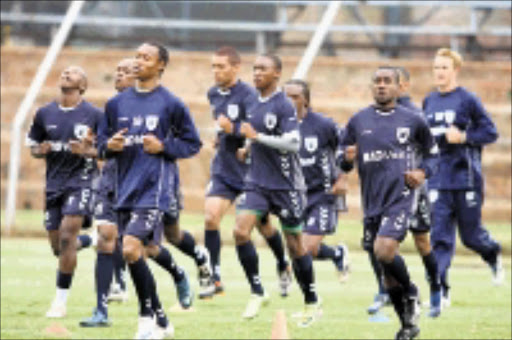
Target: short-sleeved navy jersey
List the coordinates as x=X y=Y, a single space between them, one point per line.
x=232 y=103
x=320 y=141
x=271 y=168
x=460 y=165
x=386 y=148
x=59 y=126
x=146 y=180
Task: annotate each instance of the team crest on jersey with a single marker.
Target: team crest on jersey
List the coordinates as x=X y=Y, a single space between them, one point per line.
x=270 y=120
x=80 y=130
x=402 y=134
x=311 y=143
x=233 y=111
x=151 y=122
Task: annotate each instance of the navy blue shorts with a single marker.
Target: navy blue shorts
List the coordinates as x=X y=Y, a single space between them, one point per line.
x=288 y=205
x=72 y=201
x=104 y=212
x=218 y=187
x=321 y=217
x=144 y=224
x=420 y=221
x=392 y=224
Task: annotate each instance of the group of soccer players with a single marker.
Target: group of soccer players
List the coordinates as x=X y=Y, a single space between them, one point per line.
x=274 y=155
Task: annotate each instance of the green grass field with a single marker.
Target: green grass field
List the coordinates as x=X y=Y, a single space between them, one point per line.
x=479 y=310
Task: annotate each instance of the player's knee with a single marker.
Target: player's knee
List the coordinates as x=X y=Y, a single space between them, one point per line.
x=422 y=243
x=172 y=235
x=106 y=240
x=152 y=250
x=266 y=230
x=241 y=235
x=212 y=220
x=55 y=250
x=65 y=242
x=383 y=251
x=130 y=253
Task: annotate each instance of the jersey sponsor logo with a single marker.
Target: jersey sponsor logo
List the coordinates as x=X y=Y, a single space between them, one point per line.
x=381 y=155
x=447 y=116
x=151 y=122
x=307 y=161
x=402 y=134
x=137 y=121
x=80 y=130
x=366 y=132
x=311 y=143
x=51 y=127
x=233 y=111
x=270 y=120
x=471 y=199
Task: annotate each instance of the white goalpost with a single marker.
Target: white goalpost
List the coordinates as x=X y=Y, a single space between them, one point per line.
x=21 y=115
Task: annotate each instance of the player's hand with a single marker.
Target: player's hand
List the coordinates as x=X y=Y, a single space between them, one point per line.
x=42 y=149
x=340 y=186
x=116 y=143
x=414 y=178
x=89 y=138
x=455 y=136
x=225 y=124
x=77 y=147
x=350 y=153
x=241 y=154
x=152 y=144
x=248 y=131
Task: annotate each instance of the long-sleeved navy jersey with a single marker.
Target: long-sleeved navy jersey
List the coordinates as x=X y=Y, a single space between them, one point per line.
x=460 y=165
x=270 y=168
x=320 y=142
x=146 y=180
x=386 y=148
x=59 y=126
x=233 y=103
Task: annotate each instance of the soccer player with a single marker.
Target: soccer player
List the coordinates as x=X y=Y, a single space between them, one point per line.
x=146 y=129
x=325 y=183
x=229 y=99
x=419 y=225
x=384 y=138
x=461 y=126
x=274 y=184
x=109 y=235
x=55 y=135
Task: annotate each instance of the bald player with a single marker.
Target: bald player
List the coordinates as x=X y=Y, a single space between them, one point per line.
x=55 y=135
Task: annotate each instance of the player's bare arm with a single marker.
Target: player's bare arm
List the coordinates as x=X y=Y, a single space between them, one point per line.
x=41 y=150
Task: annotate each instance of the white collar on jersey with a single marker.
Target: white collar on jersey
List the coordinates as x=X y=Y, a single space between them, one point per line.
x=385 y=113
x=266 y=99
x=71 y=108
x=227 y=91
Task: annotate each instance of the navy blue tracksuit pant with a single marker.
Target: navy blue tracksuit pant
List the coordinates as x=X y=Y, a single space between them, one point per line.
x=464 y=208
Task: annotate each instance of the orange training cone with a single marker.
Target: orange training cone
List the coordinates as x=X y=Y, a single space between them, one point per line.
x=279 y=329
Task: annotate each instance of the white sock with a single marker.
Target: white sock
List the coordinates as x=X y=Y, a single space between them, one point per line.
x=61 y=296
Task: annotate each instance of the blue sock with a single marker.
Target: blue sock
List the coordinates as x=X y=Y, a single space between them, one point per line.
x=85 y=241
x=119 y=266
x=249 y=259
x=325 y=252
x=213 y=244
x=188 y=246
x=377 y=270
x=104 y=271
x=432 y=274
x=161 y=318
x=275 y=242
x=398 y=270
x=166 y=261
x=64 y=280
x=141 y=276
x=303 y=269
